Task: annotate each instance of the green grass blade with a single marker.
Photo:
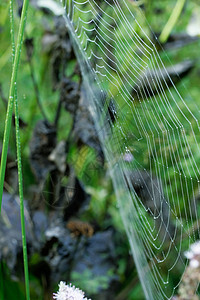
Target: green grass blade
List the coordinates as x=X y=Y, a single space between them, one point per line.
x=11 y=97
x=19 y=163
x=172 y=21
x=1 y=282
x=20 y=181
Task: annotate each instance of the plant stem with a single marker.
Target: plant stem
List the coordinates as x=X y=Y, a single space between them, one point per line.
x=11 y=97
x=1 y=281
x=35 y=85
x=20 y=181
x=172 y=21
x=19 y=162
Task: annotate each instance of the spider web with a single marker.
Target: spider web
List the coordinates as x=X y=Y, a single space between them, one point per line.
x=150 y=138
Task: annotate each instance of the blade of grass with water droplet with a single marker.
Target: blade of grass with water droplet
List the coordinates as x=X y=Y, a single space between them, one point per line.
x=13 y=101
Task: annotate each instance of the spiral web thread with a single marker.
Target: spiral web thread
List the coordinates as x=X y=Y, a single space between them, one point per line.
x=149 y=138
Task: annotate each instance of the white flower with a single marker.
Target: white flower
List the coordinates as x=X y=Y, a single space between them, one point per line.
x=69 y=292
x=194 y=255
x=194 y=263
x=188 y=254
x=196 y=248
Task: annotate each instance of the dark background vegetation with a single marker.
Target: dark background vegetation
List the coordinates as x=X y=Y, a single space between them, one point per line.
x=74 y=230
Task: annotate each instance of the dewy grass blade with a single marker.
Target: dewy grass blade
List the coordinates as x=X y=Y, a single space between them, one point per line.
x=11 y=97
x=20 y=180
x=172 y=21
x=19 y=162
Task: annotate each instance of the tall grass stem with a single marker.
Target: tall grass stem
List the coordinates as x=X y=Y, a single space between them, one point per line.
x=19 y=162
x=172 y=21
x=11 y=97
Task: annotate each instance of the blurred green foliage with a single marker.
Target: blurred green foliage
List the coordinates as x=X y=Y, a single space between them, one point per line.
x=103 y=201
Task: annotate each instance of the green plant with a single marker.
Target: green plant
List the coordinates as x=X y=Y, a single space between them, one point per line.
x=13 y=102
